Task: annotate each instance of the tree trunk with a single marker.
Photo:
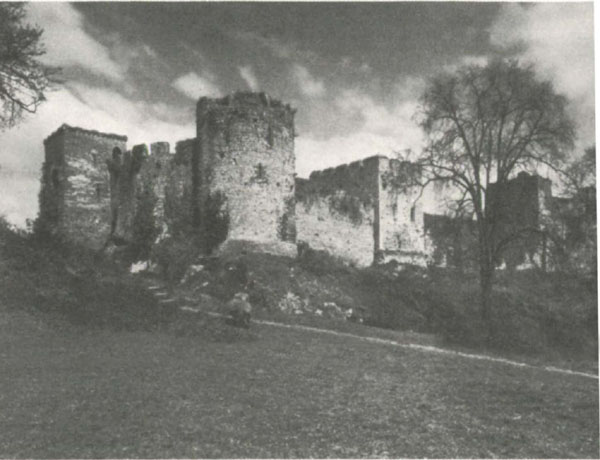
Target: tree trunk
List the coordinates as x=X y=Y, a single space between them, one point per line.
x=486 y=279
x=486 y=276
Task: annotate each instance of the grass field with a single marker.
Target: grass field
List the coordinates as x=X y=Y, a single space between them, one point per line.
x=91 y=366
x=69 y=391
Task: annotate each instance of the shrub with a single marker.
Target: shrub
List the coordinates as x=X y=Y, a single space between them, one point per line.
x=174 y=256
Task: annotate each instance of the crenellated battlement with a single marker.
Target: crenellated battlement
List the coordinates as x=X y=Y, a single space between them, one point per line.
x=88 y=132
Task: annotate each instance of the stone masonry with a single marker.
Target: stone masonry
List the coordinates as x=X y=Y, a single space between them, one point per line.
x=234 y=182
x=245 y=170
x=363 y=212
x=75 y=194
x=336 y=210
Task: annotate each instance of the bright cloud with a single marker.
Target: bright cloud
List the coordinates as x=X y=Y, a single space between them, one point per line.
x=466 y=61
x=307 y=84
x=18 y=197
x=377 y=129
x=195 y=86
x=68 y=44
x=558 y=39
x=249 y=77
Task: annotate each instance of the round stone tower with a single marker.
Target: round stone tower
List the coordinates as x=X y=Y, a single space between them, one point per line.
x=244 y=168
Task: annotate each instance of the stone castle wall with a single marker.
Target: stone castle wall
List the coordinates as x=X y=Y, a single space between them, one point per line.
x=75 y=194
x=400 y=213
x=366 y=211
x=336 y=210
x=245 y=169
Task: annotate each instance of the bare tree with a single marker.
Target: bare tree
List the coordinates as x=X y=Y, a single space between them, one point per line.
x=23 y=79
x=581 y=172
x=483 y=124
x=574 y=231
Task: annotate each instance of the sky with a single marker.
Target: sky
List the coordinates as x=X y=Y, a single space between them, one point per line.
x=353 y=71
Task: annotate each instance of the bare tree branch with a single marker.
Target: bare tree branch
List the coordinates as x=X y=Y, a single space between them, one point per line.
x=23 y=79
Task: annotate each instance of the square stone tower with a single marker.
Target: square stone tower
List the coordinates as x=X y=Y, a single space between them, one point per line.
x=243 y=173
x=522 y=209
x=75 y=192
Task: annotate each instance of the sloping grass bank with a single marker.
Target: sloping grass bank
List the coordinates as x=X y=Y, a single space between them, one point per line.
x=66 y=286
x=545 y=314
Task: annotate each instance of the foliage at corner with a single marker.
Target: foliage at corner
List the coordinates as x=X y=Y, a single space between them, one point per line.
x=286 y=226
x=581 y=173
x=65 y=284
x=347 y=205
x=216 y=223
x=145 y=230
x=23 y=78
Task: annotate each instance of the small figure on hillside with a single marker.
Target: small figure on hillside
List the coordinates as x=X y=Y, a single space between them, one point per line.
x=240 y=310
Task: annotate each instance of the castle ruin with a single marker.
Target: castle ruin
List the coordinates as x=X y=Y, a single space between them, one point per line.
x=235 y=181
x=364 y=211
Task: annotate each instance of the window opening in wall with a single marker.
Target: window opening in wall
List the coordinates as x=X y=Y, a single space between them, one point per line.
x=260 y=173
x=412 y=213
x=116 y=154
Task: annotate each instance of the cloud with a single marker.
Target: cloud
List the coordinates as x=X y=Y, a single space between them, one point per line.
x=18 y=197
x=112 y=112
x=558 y=38
x=307 y=84
x=347 y=63
x=68 y=44
x=467 y=60
x=249 y=77
x=275 y=46
x=371 y=128
x=195 y=86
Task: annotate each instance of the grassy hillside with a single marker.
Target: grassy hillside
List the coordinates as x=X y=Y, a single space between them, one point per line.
x=65 y=287
x=93 y=367
x=552 y=314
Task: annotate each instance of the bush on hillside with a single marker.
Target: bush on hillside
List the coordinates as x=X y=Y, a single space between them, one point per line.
x=533 y=312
